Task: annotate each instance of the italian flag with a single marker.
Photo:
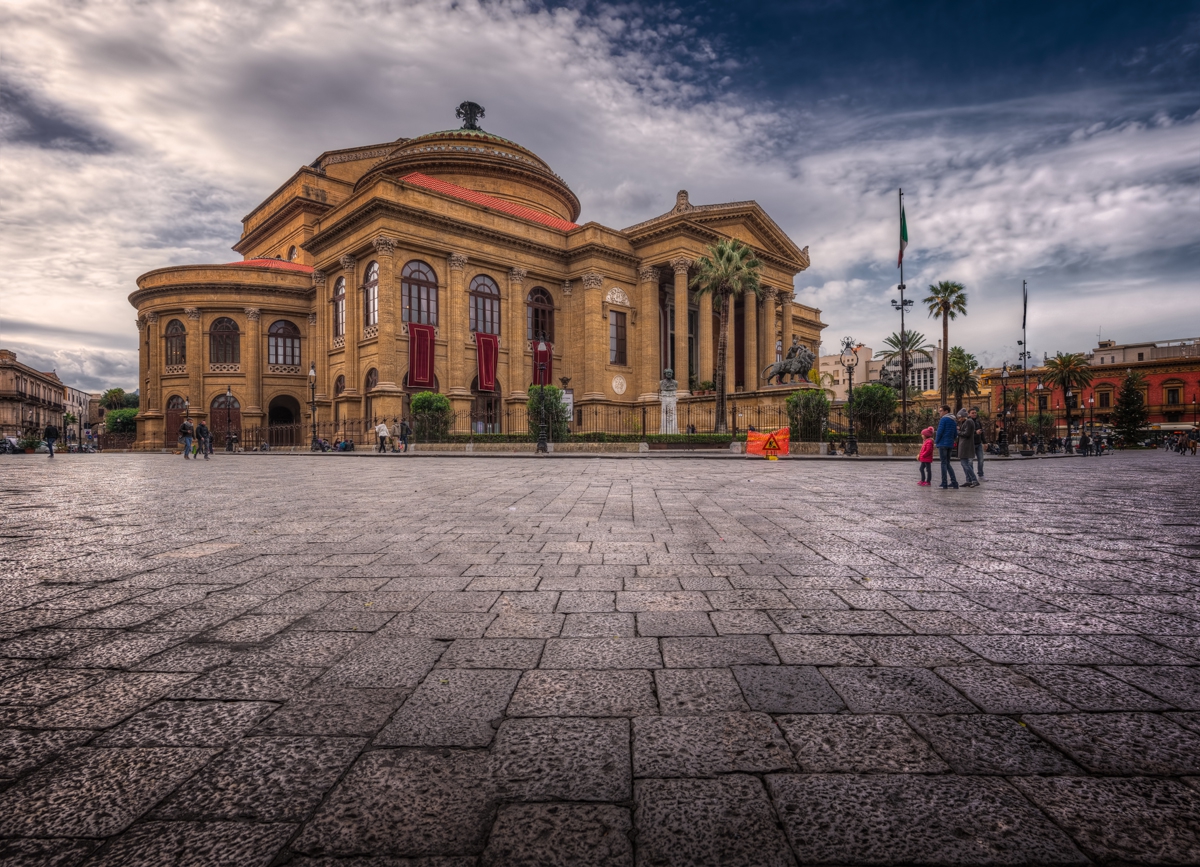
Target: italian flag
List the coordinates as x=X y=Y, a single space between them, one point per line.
x=903 y=237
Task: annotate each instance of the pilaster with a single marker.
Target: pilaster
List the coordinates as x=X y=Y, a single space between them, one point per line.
x=680 y=265
x=354 y=325
x=519 y=373
x=389 y=371
x=647 y=334
x=457 y=328
x=153 y=377
x=318 y=338
x=595 y=337
x=195 y=363
x=254 y=367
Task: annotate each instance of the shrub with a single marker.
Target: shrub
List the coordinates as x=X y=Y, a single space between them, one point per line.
x=549 y=398
x=807 y=409
x=120 y=421
x=874 y=407
x=432 y=416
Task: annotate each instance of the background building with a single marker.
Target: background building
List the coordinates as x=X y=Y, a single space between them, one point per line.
x=29 y=399
x=451 y=262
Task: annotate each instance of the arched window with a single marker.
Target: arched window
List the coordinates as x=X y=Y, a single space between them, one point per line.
x=371 y=295
x=540 y=315
x=485 y=305
x=176 y=343
x=419 y=294
x=339 y=385
x=224 y=342
x=223 y=402
x=292 y=253
x=175 y=402
x=372 y=378
x=283 y=343
x=339 y=307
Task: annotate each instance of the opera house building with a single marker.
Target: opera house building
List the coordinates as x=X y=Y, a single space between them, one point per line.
x=451 y=262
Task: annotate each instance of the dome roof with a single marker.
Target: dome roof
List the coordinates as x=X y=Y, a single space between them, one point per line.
x=486 y=163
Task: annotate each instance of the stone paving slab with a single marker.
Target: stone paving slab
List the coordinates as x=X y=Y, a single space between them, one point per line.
x=628 y=662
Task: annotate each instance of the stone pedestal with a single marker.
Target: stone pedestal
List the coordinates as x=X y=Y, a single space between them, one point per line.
x=670 y=413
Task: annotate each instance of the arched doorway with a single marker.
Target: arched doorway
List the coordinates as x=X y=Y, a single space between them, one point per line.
x=225 y=419
x=176 y=409
x=283 y=421
x=487 y=411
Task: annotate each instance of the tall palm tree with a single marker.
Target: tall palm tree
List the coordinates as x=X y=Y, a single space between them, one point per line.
x=945 y=301
x=961 y=377
x=904 y=347
x=1069 y=370
x=729 y=271
x=114 y=398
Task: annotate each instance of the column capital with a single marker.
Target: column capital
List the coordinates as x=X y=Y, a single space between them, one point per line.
x=786 y=296
x=566 y=287
x=348 y=263
x=517 y=275
x=318 y=278
x=141 y=324
x=592 y=280
x=312 y=319
x=384 y=245
x=152 y=318
x=680 y=264
x=648 y=274
x=769 y=294
x=457 y=261
x=192 y=312
x=253 y=313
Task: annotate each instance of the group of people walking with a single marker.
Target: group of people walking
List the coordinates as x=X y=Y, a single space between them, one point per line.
x=196 y=439
x=397 y=437
x=965 y=431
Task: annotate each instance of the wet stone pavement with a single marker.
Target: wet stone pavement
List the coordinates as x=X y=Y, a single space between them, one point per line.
x=315 y=660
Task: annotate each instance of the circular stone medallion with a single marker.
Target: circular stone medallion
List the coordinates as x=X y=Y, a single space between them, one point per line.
x=618 y=384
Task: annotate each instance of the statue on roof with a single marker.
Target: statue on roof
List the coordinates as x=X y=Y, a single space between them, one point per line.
x=469 y=113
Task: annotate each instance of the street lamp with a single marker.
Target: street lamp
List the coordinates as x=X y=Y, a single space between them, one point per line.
x=901 y=305
x=1004 y=410
x=312 y=405
x=1041 y=441
x=849 y=361
x=1067 y=404
x=228 y=418
x=541 y=440
x=1092 y=416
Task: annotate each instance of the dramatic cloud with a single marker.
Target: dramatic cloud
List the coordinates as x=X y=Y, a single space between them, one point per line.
x=136 y=135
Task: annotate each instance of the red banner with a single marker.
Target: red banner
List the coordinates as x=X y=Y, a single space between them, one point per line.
x=543 y=356
x=767 y=444
x=420 y=355
x=487 y=351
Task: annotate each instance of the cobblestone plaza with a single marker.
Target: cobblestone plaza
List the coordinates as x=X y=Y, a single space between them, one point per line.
x=340 y=660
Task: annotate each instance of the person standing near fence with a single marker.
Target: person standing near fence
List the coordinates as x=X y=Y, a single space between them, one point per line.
x=947 y=433
x=381 y=431
x=396 y=437
x=405 y=430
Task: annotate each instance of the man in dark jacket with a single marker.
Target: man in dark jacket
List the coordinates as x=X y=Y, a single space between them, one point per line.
x=947 y=433
x=204 y=439
x=186 y=431
x=966 y=447
x=50 y=436
x=980 y=442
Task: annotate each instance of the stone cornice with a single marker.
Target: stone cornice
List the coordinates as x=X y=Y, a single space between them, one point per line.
x=294 y=206
x=706 y=236
x=188 y=293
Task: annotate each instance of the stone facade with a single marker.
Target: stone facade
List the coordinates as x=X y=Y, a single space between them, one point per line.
x=29 y=399
x=364 y=242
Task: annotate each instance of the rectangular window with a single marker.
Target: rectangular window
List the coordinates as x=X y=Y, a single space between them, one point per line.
x=1105 y=400
x=1141 y=356
x=1173 y=396
x=371 y=310
x=1043 y=401
x=339 y=316
x=616 y=338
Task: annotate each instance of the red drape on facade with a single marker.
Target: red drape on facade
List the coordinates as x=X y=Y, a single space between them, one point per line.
x=420 y=355
x=487 y=351
x=540 y=357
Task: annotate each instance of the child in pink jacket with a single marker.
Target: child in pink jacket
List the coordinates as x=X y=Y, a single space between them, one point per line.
x=925 y=458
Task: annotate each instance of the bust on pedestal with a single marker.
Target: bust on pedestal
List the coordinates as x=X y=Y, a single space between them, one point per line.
x=667 y=388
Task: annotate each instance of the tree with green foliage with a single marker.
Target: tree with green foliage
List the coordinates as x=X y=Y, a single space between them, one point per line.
x=551 y=398
x=114 y=398
x=808 y=411
x=945 y=301
x=729 y=271
x=873 y=407
x=131 y=400
x=432 y=416
x=1131 y=415
x=961 y=375
x=120 y=421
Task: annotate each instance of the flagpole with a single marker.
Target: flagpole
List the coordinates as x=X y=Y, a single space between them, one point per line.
x=903 y=345
x=1025 y=346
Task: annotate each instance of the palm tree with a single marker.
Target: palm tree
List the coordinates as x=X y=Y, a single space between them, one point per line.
x=961 y=377
x=903 y=347
x=1068 y=370
x=945 y=301
x=114 y=398
x=729 y=271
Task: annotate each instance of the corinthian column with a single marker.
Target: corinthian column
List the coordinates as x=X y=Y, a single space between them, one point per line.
x=595 y=337
x=253 y=362
x=704 y=339
x=647 y=334
x=680 y=266
x=389 y=368
x=195 y=362
x=318 y=340
x=785 y=304
x=457 y=326
x=750 y=341
x=517 y=336
x=354 y=324
x=154 y=370
x=766 y=330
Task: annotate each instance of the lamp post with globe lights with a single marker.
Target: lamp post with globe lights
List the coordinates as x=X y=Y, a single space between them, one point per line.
x=228 y=418
x=849 y=361
x=542 y=446
x=1004 y=410
x=312 y=405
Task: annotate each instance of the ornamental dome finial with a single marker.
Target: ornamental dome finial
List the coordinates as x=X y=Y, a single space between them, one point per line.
x=469 y=113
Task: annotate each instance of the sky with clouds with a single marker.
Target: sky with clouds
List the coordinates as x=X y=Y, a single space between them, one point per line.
x=1053 y=142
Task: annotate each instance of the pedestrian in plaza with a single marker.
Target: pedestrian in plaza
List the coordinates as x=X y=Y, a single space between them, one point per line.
x=50 y=435
x=947 y=433
x=186 y=432
x=925 y=458
x=979 y=441
x=204 y=438
x=1085 y=443
x=381 y=432
x=966 y=448
x=405 y=430
x=395 y=436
